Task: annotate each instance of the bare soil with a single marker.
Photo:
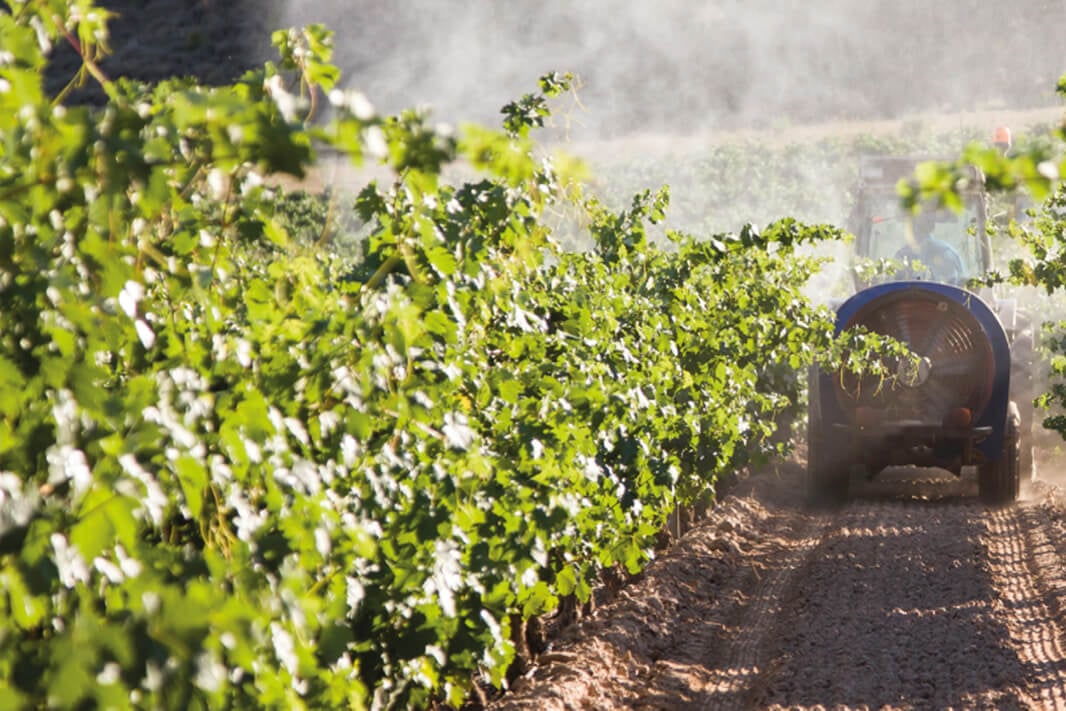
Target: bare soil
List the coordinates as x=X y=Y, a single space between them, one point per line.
x=914 y=595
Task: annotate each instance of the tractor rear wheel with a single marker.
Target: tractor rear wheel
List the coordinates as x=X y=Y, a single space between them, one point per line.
x=1023 y=392
x=998 y=481
x=828 y=475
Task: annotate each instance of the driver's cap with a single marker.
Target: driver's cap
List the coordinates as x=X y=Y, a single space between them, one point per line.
x=1002 y=137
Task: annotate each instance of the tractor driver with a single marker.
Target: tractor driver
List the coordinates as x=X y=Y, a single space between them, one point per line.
x=938 y=259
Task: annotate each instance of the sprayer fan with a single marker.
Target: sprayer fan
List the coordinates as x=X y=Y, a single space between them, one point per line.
x=955 y=366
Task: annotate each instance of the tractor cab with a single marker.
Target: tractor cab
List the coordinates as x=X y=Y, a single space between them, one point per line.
x=885 y=231
x=967 y=399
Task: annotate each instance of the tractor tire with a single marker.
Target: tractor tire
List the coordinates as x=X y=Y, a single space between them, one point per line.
x=828 y=474
x=1023 y=392
x=827 y=470
x=999 y=481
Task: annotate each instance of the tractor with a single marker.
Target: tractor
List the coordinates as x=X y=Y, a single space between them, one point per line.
x=964 y=397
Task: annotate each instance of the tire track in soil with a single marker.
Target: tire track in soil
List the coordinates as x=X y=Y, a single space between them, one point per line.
x=732 y=683
x=1023 y=561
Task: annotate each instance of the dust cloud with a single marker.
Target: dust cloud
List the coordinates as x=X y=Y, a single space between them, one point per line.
x=681 y=67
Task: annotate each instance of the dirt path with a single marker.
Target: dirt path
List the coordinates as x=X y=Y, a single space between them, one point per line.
x=912 y=596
